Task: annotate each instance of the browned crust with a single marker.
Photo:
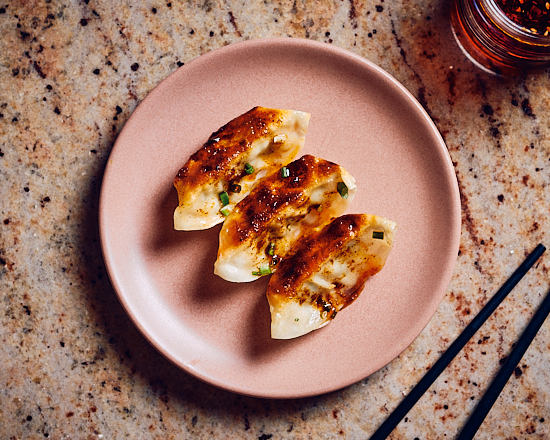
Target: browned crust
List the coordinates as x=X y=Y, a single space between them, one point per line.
x=254 y=213
x=309 y=255
x=311 y=252
x=217 y=156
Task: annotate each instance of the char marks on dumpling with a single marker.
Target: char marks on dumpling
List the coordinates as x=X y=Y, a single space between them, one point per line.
x=325 y=272
x=297 y=199
x=232 y=161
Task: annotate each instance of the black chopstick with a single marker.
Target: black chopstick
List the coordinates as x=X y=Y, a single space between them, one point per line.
x=492 y=393
x=416 y=393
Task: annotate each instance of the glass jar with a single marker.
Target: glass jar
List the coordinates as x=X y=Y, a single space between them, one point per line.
x=495 y=42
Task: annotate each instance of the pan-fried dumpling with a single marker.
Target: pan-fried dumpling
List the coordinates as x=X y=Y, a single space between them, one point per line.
x=230 y=163
x=306 y=194
x=326 y=272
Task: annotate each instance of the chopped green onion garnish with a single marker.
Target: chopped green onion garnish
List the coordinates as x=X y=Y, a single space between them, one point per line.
x=271 y=249
x=296 y=319
x=225 y=211
x=249 y=169
x=235 y=188
x=342 y=189
x=285 y=172
x=265 y=270
x=320 y=208
x=224 y=198
x=334 y=314
x=378 y=235
x=262 y=270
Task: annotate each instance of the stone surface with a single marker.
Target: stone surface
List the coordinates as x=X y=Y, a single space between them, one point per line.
x=72 y=363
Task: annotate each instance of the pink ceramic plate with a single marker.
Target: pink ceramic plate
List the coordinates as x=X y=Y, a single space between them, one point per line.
x=362 y=119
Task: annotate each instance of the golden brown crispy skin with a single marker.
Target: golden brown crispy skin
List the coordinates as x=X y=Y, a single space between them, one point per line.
x=325 y=272
x=309 y=255
x=274 y=193
x=230 y=164
x=217 y=155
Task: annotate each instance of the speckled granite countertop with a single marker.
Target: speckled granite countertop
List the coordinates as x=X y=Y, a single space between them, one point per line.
x=74 y=366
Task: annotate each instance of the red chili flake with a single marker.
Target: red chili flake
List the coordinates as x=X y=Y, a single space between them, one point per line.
x=533 y=15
